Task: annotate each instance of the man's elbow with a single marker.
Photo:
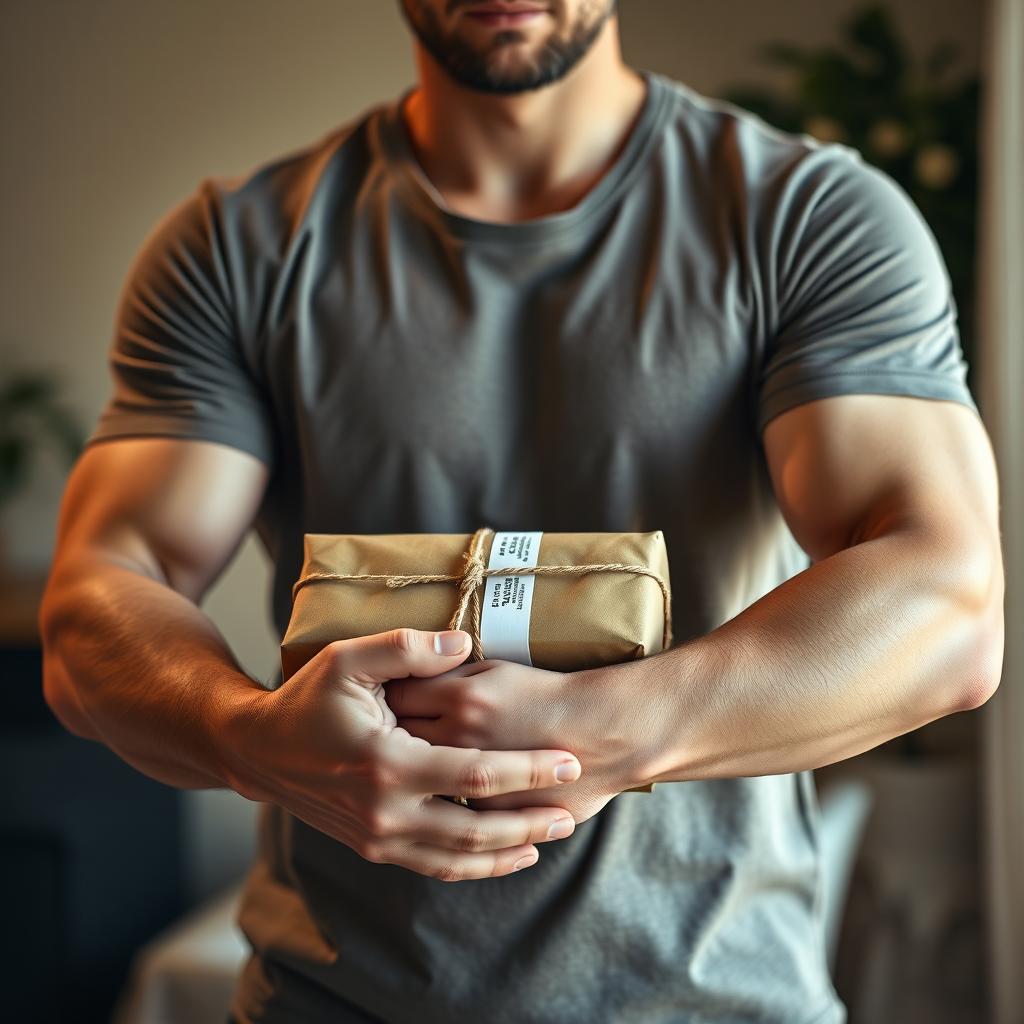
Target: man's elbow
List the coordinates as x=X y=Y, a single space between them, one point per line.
x=62 y=700
x=984 y=673
x=58 y=687
x=983 y=662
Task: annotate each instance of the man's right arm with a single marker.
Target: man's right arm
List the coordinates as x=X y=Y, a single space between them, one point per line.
x=129 y=659
x=146 y=526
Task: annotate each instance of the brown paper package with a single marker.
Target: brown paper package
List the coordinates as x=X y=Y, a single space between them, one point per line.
x=578 y=620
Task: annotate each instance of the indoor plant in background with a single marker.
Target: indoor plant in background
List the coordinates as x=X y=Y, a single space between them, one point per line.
x=913 y=936
x=31 y=416
x=916 y=119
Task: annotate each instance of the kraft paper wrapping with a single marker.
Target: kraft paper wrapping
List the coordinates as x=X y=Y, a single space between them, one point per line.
x=578 y=621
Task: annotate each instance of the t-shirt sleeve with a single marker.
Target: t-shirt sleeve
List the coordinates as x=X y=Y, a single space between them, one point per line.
x=176 y=357
x=863 y=300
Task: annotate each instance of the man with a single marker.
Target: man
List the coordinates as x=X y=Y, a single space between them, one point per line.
x=540 y=290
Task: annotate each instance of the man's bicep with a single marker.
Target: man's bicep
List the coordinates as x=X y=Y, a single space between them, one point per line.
x=176 y=510
x=851 y=467
x=176 y=465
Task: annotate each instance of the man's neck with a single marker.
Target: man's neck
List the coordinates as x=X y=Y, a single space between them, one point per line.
x=517 y=157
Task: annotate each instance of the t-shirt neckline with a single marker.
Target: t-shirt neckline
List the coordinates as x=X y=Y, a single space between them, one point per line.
x=401 y=156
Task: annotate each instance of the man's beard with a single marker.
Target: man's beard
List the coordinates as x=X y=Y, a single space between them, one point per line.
x=471 y=67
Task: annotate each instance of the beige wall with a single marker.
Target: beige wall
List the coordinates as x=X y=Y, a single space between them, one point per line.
x=112 y=110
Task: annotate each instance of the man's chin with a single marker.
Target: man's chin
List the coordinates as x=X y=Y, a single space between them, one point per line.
x=491 y=72
x=506 y=77
x=506 y=87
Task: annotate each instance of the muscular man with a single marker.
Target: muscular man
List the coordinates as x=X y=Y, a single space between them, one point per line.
x=539 y=290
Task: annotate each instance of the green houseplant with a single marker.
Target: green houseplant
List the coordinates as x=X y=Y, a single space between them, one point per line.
x=32 y=415
x=914 y=119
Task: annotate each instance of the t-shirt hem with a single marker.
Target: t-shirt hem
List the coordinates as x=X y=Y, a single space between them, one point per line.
x=911 y=384
x=190 y=430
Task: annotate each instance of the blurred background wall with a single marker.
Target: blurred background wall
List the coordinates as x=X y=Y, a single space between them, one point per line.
x=113 y=110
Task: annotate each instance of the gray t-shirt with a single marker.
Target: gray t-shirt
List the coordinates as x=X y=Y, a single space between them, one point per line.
x=403 y=368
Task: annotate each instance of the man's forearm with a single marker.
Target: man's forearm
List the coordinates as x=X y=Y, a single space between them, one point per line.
x=132 y=663
x=865 y=645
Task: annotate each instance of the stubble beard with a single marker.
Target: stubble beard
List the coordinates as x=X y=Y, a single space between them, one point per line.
x=474 y=68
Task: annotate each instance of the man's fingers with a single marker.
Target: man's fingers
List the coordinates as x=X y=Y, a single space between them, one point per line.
x=449 y=866
x=397 y=653
x=450 y=771
x=453 y=827
x=443 y=862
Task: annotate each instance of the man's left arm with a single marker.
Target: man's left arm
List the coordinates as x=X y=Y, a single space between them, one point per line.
x=881 y=468
x=897 y=622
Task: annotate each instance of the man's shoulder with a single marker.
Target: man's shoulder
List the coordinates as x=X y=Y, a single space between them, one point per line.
x=736 y=149
x=711 y=120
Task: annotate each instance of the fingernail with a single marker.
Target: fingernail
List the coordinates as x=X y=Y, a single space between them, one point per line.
x=525 y=862
x=560 y=829
x=568 y=771
x=452 y=641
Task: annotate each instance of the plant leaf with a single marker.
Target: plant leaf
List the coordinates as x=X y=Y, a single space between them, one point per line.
x=783 y=54
x=13 y=464
x=872 y=30
x=26 y=389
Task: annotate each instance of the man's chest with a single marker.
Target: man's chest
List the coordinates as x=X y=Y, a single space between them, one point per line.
x=635 y=346
x=438 y=389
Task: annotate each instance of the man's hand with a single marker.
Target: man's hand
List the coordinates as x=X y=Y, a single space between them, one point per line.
x=501 y=705
x=327 y=748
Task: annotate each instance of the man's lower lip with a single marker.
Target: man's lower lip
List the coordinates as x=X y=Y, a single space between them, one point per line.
x=499 y=20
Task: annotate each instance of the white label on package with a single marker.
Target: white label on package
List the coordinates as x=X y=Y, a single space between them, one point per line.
x=507 y=600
